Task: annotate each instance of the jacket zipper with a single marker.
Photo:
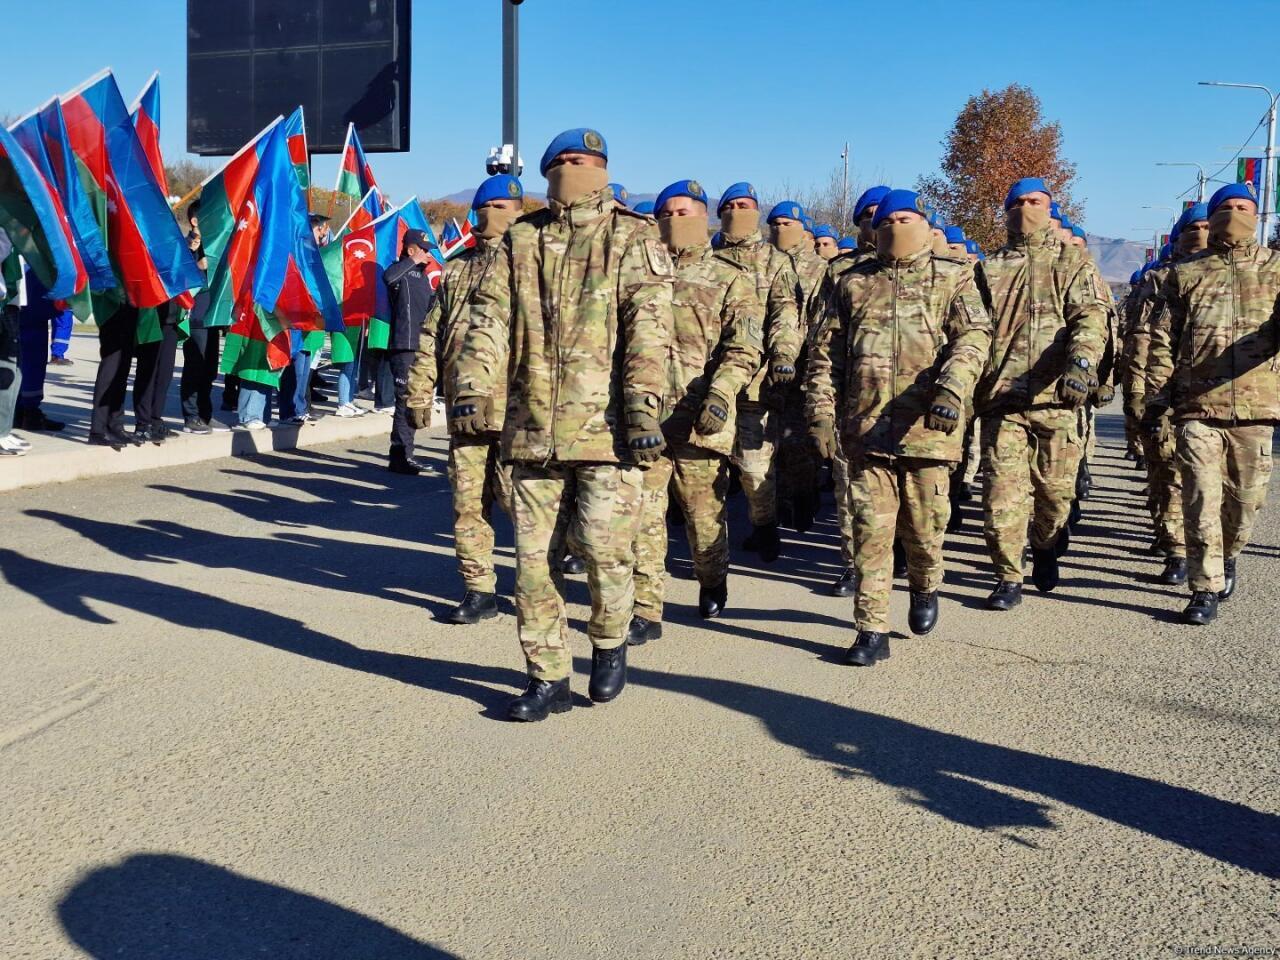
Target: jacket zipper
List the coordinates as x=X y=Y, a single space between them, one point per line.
x=893 y=388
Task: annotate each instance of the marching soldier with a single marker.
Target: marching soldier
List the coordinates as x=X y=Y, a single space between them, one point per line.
x=913 y=338
x=1215 y=350
x=714 y=353
x=757 y=427
x=476 y=472
x=1050 y=329
x=580 y=295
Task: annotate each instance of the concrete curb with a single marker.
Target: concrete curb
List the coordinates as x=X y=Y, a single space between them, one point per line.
x=79 y=461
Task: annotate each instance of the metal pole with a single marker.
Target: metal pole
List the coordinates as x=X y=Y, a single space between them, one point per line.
x=511 y=79
x=1266 y=203
x=844 y=189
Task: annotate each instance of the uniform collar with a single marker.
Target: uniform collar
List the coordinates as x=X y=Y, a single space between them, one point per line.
x=1244 y=251
x=1046 y=236
x=748 y=241
x=586 y=209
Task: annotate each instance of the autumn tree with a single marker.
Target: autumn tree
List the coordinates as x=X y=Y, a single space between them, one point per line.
x=998 y=137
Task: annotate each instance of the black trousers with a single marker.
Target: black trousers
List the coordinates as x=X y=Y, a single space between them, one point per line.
x=153 y=376
x=402 y=431
x=199 y=370
x=115 y=348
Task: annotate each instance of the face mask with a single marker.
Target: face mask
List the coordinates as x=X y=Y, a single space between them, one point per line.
x=940 y=246
x=787 y=235
x=567 y=183
x=866 y=234
x=739 y=224
x=678 y=233
x=901 y=241
x=828 y=252
x=493 y=221
x=1233 y=227
x=1193 y=239
x=1023 y=221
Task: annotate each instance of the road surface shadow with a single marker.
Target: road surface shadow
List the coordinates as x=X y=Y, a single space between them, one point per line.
x=164 y=907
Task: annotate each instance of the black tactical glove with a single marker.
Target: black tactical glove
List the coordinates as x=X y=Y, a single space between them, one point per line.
x=823 y=432
x=644 y=436
x=945 y=411
x=782 y=371
x=467 y=418
x=714 y=414
x=1152 y=416
x=420 y=417
x=1073 y=388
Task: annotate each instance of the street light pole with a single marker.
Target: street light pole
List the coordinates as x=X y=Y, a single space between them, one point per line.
x=1201 y=179
x=511 y=79
x=1266 y=202
x=844 y=188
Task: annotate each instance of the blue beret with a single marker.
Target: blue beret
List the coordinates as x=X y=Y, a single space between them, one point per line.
x=1165 y=251
x=898 y=200
x=717 y=240
x=1066 y=222
x=847 y=243
x=644 y=206
x=1024 y=186
x=1078 y=231
x=823 y=230
x=579 y=140
x=954 y=235
x=1135 y=277
x=681 y=188
x=870 y=198
x=1055 y=211
x=502 y=186
x=936 y=220
x=1232 y=191
x=971 y=246
x=619 y=193
x=808 y=223
x=787 y=208
x=737 y=191
x=1197 y=211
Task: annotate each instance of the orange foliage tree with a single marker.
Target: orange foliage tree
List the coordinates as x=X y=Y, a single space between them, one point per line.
x=998 y=137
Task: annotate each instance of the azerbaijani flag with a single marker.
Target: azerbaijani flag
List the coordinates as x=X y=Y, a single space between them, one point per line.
x=457 y=237
x=295 y=129
x=388 y=239
x=145 y=244
x=146 y=121
x=32 y=216
x=355 y=176
x=352 y=264
x=370 y=209
x=1249 y=170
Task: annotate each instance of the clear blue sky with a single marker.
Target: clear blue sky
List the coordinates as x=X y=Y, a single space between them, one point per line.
x=723 y=90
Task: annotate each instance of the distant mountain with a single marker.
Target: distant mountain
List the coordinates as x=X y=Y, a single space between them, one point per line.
x=1117 y=259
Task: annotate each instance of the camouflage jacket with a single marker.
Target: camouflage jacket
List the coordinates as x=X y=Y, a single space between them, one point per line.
x=445 y=327
x=582 y=297
x=1215 y=336
x=901 y=329
x=715 y=343
x=776 y=286
x=1141 y=307
x=1045 y=303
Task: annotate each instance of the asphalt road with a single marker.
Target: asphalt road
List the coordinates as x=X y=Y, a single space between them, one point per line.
x=231 y=727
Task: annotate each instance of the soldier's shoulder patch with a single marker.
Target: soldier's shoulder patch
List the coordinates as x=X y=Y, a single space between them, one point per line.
x=659 y=257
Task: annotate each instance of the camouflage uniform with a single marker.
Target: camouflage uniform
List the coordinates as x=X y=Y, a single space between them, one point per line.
x=753 y=451
x=1215 y=363
x=477 y=475
x=581 y=296
x=1044 y=303
x=1164 y=485
x=902 y=329
x=799 y=465
x=715 y=345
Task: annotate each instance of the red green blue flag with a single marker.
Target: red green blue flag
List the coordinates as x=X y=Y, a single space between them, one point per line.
x=355 y=176
x=295 y=130
x=146 y=121
x=31 y=214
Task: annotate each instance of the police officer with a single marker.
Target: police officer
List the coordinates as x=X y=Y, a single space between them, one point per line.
x=913 y=341
x=715 y=352
x=411 y=296
x=586 y=375
x=1050 y=329
x=1212 y=368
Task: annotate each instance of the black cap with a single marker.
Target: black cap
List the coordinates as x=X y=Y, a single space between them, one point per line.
x=416 y=238
x=317 y=219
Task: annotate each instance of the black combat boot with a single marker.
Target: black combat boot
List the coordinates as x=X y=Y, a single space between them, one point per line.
x=608 y=673
x=400 y=462
x=847 y=584
x=1005 y=596
x=1063 y=543
x=1044 y=568
x=923 y=615
x=867 y=649
x=1174 y=572
x=767 y=542
x=1229 y=573
x=1202 y=609
x=1075 y=516
x=475 y=606
x=641 y=631
x=540 y=698
x=899 y=559
x=711 y=600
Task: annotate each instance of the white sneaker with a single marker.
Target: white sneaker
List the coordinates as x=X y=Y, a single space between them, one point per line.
x=348 y=410
x=10 y=446
x=391 y=409
x=25 y=444
x=251 y=425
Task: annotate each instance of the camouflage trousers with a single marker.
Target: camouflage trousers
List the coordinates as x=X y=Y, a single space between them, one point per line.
x=968 y=468
x=844 y=505
x=1086 y=419
x=1029 y=461
x=1164 y=490
x=597 y=507
x=1225 y=470
x=753 y=455
x=909 y=496
x=478 y=479
x=700 y=482
x=1132 y=434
